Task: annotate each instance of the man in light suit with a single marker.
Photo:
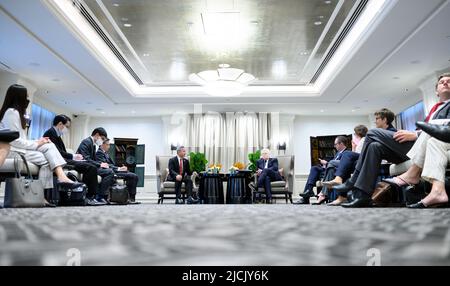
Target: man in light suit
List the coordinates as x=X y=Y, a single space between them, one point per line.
x=267 y=172
x=180 y=172
x=429 y=155
x=395 y=147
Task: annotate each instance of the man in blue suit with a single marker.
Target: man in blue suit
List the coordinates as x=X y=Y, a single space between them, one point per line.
x=267 y=172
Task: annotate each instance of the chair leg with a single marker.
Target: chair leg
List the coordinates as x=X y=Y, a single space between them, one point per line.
x=286 y=198
x=162 y=198
x=290 y=197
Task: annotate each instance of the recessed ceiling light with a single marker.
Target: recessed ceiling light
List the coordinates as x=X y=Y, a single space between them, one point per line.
x=321 y=17
x=318 y=23
x=133 y=111
x=146 y=55
x=327 y=2
x=125 y=19
x=102 y=112
x=415 y=62
x=116 y=5
x=55 y=79
x=128 y=25
x=99 y=109
x=304 y=53
x=35 y=64
x=254 y=22
x=395 y=77
x=322 y=110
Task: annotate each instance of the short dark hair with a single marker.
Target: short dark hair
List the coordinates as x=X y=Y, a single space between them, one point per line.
x=361 y=130
x=342 y=139
x=61 y=118
x=101 y=131
x=447 y=74
x=385 y=113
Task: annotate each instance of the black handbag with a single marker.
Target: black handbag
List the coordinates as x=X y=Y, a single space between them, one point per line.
x=119 y=194
x=23 y=192
x=7 y=135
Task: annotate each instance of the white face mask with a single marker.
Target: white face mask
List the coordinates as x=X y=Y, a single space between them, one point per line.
x=99 y=142
x=65 y=130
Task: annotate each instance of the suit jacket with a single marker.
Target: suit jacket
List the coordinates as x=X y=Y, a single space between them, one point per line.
x=443 y=113
x=174 y=168
x=87 y=149
x=104 y=157
x=56 y=139
x=273 y=164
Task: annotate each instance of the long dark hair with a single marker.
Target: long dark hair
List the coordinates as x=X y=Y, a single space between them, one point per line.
x=16 y=97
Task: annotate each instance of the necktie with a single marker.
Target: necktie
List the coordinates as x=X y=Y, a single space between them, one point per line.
x=181 y=167
x=433 y=109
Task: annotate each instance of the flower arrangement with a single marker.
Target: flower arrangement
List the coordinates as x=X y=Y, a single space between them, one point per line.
x=214 y=168
x=236 y=167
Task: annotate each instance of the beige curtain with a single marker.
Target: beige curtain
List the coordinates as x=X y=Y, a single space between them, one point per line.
x=226 y=138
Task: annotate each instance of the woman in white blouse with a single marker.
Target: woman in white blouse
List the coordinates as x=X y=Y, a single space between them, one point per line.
x=41 y=152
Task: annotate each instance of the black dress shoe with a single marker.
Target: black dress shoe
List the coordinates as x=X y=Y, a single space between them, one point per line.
x=345 y=187
x=308 y=194
x=420 y=205
x=358 y=203
x=440 y=132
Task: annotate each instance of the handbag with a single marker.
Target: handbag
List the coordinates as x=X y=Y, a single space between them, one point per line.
x=119 y=194
x=23 y=192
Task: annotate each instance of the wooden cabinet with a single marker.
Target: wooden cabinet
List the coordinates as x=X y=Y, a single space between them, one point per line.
x=323 y=147
x=126 y=151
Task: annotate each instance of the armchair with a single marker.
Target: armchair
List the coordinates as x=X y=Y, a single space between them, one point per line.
x=280 y=189
x=165 y=187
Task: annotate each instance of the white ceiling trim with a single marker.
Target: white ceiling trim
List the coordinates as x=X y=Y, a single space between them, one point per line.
x=71 y=17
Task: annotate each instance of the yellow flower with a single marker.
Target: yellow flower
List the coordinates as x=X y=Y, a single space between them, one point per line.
x=239 y=165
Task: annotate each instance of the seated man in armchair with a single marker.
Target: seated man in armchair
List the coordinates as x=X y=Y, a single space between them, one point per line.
x=180 y=172
x=267 y=173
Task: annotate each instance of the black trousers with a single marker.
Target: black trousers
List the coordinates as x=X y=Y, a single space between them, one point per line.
x=131 y=180
x=187 y=184
x=378 y=145
x=107 y=181
x=267 y=176
x=89 y=172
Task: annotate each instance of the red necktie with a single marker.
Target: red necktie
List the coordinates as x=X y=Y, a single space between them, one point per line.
x=181 y=167
x=433 y=109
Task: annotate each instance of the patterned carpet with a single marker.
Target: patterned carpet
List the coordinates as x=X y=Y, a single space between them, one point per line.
x=150 y=234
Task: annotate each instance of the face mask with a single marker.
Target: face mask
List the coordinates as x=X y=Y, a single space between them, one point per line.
x=65 y=130
x=99 y=142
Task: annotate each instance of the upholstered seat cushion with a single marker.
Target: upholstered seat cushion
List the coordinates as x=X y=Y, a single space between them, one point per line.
x=278 y=184
x=8 y=167
x=168 y=184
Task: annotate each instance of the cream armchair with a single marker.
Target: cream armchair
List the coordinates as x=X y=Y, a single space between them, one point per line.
x=165 y=187
x=284 y=188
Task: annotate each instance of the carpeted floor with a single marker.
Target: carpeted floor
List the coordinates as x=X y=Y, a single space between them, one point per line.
x=150 y=234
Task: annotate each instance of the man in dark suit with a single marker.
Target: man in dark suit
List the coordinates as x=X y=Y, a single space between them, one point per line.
x=385 y=144
x=61 y=125
x=267 y=172
x=180 y=172
x=87 y=149
x=340 y=144
x=130 y=178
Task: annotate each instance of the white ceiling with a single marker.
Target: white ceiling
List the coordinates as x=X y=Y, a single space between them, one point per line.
x=406 y=45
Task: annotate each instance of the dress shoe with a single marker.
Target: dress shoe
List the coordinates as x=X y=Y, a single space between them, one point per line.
x=420 y=205
x=402 y=183
x=358 y=203
x=320 y=201
x=345 y=187
x=301 y=201
x=440 y=132
x=308 y=194
x=330 y=184
x=191 y=200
